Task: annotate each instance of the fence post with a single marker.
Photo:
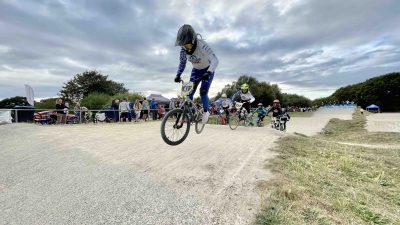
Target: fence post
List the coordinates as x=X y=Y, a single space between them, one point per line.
x=16 y=115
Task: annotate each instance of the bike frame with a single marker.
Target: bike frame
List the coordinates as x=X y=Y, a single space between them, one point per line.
x=187 y=104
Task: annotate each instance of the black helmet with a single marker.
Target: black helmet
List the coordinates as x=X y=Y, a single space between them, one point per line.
x=186 y=35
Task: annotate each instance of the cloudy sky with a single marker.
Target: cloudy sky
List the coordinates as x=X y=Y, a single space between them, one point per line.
x=307 y=47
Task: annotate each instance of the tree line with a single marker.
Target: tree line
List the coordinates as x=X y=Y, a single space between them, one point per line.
x=383 y=91
x=94 y=90
x=264 y=93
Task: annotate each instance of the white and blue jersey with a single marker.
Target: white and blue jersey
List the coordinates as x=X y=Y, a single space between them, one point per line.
x=245 y=97
x=203 y=60
x=224 y=103
x=203 y=57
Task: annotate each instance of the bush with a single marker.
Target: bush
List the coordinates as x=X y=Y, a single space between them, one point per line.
x=132 y=97
x=48 y=103
x=96 y=101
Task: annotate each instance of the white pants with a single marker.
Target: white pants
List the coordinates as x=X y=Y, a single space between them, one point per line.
x=137 y=114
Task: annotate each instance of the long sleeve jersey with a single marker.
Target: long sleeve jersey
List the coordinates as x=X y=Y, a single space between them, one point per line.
x=202 y=57
x=224 y=103
x=244 y=96
x=261 y=111
x=275 y=111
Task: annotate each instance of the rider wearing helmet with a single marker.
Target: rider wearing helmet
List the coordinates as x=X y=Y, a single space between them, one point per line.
x=245 y=96
x=204 y=63
x=261 y=112
x=224 y=103
x=276 y=109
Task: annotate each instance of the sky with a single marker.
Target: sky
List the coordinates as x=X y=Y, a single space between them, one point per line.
x=307 y=47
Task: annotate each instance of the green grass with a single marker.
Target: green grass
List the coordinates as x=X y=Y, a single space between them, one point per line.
x=321 y=182
x=354 y=131
x=301 y=114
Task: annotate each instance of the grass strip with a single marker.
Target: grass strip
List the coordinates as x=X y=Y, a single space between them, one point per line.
x=323 y=182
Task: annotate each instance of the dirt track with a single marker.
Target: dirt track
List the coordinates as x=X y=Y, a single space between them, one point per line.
x=383 y=122
x=125 y=173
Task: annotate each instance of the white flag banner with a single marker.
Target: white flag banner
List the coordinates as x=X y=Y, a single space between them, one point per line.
x=29 y=95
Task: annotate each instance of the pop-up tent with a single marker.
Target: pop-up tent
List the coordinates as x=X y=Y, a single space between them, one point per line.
x=373 y=108
x=159 y=99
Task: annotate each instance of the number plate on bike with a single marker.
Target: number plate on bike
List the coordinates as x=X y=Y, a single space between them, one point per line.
x=187 y=88
x=238 y=105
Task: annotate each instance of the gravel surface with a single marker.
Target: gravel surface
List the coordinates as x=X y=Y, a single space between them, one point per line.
x=126 y=174
x=383 y=122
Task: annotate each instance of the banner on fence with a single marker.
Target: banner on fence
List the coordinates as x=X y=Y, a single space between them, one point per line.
x=29 y=95
x=5 y=116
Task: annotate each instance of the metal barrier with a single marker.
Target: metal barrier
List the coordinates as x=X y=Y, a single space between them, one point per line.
x=43 y=116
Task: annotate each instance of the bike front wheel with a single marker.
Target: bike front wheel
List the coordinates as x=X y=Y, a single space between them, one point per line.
x=282 y=127
x=175 y=127
x=248 y=122
x=233 y=121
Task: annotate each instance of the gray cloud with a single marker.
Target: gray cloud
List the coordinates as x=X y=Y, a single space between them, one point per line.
x=307 y=46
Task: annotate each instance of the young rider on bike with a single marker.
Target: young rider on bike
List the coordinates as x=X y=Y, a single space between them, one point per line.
x=261 y=112
x=276 y=110
x=245 y=96
x=285 y=116
x=204 y=63
x=224 y=103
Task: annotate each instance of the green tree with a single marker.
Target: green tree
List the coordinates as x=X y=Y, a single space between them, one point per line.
x=383 y=91
x=48 y=103
x=96 y=101
x=295 y=100
x=9 y=103
x=89 y=82
x=132 y=97
x=262 y=91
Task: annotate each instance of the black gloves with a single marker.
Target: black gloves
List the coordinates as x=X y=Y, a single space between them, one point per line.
x=177 y=79
x=207 y=75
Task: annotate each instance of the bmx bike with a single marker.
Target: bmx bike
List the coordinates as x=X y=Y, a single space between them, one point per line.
x=239 y=114
x=176 y=123
x=223 y=117
x=279 y=123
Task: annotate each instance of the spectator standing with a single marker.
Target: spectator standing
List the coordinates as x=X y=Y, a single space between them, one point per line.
x=131 y=111
x=124 y=110
x=145 y=109
x=154 y=108
x=171 y=105
x=77 y=110
x=115 y=108
x=137 y=108
x=66 y=111
x=161 y=112
x=60 y=111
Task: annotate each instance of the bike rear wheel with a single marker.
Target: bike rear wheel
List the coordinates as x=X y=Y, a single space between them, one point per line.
x=199 y=125
x=175 y=127
x=233 y=121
